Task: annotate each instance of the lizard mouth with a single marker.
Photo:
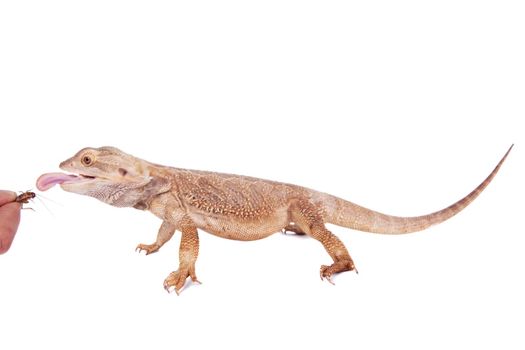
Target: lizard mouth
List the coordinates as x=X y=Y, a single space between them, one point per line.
x=46 y=181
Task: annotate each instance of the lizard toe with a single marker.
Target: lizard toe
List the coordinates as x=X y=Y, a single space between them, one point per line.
x=177 y=280
x=148 y=248
x=327 y=272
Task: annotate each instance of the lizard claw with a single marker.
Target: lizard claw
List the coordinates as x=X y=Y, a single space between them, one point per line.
x=148 y=248
x=329 y=279
x=170 y=289
x=293 y=228
x=170 y=284
x=326 y=273
x=339 y=266
x=177 y=280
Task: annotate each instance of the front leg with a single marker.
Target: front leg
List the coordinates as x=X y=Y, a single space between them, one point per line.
x=166 y=231
x=188 y=252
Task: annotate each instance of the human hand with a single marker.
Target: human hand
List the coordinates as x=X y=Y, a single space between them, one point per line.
x=9 y=219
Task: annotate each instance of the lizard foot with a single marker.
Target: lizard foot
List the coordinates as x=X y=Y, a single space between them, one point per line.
x=293 y=228
x=336 y=267
x=177 y=279
x=148 y=248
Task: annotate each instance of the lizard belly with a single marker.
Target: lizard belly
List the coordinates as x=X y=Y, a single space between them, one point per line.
x=241 y=229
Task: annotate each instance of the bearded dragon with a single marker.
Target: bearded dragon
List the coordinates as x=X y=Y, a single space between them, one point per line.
x=229 y=206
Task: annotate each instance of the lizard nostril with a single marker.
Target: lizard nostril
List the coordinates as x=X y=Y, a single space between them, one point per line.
x=122 y=171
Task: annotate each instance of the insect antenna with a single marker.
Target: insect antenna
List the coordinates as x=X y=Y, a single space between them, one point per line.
x=41 y=196
x=44 y=204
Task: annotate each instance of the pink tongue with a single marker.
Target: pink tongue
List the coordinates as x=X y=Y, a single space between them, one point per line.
x=46 y=181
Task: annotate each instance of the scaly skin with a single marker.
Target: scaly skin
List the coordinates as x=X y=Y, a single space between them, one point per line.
x=232 y=206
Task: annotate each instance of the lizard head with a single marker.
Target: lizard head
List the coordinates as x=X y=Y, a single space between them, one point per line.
x=108 y=174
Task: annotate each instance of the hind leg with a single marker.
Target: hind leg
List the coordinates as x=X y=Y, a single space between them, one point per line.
x=307 y=216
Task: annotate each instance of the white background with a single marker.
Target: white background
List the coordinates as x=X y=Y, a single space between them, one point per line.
x=402 y=106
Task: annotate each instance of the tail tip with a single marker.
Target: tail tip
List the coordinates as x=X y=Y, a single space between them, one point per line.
x=510 y=148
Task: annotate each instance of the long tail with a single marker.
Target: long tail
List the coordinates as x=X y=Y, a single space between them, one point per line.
x=347 y=214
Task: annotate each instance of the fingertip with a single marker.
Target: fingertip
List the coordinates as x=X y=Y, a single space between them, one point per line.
x=4 y=247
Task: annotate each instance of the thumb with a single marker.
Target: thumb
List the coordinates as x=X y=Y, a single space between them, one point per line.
x=7 y=197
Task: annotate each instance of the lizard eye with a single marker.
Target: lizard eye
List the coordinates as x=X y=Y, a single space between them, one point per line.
x=87 y=160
